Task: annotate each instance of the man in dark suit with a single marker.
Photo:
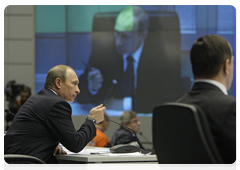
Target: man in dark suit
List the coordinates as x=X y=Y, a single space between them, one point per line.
x=45 y=120
x=154 y=78
x=212 y=65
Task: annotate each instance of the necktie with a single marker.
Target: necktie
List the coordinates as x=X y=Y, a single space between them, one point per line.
x=127 y=84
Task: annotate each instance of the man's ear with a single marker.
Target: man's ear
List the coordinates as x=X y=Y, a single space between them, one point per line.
x=226 y=65
x=58 y=83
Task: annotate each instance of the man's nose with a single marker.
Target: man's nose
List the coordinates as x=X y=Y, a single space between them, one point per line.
x=119 y=40
x=78 y=90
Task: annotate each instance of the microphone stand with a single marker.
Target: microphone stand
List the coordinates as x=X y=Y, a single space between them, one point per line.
x=114 y=82
x=145 y=138
x=9 y=112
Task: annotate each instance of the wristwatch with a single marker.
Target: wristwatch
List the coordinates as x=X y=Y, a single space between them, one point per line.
x=93 y=120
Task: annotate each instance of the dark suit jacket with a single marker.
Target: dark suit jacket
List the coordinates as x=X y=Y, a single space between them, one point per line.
x=41 y=123
x=158 y=75
x=220 y=110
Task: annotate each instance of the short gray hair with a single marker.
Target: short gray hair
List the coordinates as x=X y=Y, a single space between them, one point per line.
x=141 y=22
x=125 y=22
x=127 y=116
x=59 y=71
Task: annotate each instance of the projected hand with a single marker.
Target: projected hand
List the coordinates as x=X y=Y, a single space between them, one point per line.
x=95 y=79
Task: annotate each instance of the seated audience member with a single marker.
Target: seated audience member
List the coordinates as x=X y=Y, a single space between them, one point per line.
x=212 y=66
x=124 y=135
x=101 y=140
x=24 y=94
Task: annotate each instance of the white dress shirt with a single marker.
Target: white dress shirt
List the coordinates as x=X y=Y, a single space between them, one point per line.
x=216 y=83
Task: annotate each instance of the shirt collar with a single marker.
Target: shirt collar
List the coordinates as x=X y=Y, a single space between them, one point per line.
x=216 y=83
x=136 y=55
x=100 y=129
x=53 y=91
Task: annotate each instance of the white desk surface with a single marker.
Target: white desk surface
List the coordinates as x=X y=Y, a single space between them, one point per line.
x=101 y=158
x=106 y=161
x=104 y=157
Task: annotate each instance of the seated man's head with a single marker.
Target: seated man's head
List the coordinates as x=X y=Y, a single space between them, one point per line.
x=212 y=58
x=130 y=119
x=64 y=81
x=131 y=29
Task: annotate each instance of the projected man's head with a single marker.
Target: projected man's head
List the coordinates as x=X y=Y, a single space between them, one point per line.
x=131 y=29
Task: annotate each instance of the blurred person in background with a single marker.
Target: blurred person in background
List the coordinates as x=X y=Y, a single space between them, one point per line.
x=24 y=95
x=101 y=139
x=13 y=92
x=124 y=135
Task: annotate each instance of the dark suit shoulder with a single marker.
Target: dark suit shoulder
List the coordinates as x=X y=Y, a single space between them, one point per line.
x=122 y=136
x=42 y=103
x=48 y=97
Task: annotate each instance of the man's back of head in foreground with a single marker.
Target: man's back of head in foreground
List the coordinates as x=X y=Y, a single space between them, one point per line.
x=212 y=58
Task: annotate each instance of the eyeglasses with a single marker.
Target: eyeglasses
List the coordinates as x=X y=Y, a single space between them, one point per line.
x=135 y=121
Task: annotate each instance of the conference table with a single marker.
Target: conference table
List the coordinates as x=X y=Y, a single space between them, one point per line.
x=93 y=155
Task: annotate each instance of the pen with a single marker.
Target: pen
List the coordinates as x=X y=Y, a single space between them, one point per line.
x=94 y=153
x=97 y=153
x=108 y=100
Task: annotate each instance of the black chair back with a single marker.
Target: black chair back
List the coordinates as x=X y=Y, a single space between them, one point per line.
x=22 y=159
x=181 y=135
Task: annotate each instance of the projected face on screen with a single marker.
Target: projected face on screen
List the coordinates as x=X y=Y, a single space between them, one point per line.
x=130 y=29
x=131 y=51
x=128 y=42
x=135 y=53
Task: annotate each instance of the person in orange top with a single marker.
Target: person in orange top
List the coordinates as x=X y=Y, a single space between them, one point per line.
x=101 y=139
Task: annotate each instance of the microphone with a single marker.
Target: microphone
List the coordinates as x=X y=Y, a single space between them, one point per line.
x=9 y=112
x=145 y=137
x=114 y=82
x=108 y=100
x=128 y=129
